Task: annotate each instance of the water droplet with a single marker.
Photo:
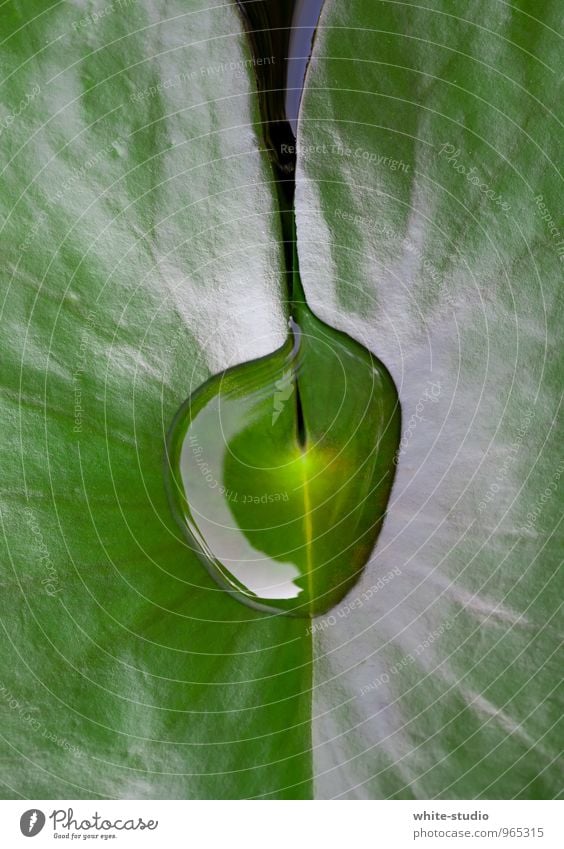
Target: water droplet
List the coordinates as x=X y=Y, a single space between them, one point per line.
x=280 y=469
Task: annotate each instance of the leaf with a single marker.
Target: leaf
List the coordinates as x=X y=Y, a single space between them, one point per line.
x=138 y=223
x=427 y=212
x=140 y=256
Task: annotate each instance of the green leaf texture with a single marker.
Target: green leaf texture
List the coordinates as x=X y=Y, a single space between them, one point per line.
x=139 y=256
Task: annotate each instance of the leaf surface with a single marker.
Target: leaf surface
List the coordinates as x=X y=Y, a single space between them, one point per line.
x=428 y=134
x=139 y=256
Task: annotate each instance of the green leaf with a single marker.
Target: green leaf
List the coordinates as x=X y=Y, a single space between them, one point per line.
x=140 y=257
x=428 y=135
x=138 y=223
